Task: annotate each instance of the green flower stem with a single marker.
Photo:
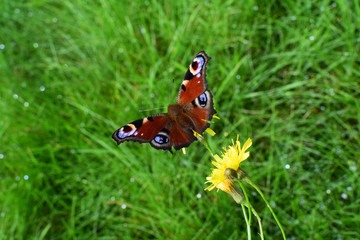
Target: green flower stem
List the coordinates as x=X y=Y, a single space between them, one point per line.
x=247 y=200
x=209 y=148
x=259 y=222
x=248 y=180
x=247 y=222
x=250 y=207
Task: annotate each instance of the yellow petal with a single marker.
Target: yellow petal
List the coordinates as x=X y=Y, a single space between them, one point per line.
x=245 y=156
x=247 y=144
x=210 y=131
x=184 y=151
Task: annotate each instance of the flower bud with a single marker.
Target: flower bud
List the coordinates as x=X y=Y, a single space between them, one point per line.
x=231 y=174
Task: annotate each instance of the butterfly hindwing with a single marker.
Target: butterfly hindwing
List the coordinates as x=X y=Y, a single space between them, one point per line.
x=201 y=111
x=194 y=83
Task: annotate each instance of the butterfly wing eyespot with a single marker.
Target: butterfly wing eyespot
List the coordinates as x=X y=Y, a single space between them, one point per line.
x=196 y=65
x=205 y=100
x=126 y=131
x=162 y=140
x=202 y=100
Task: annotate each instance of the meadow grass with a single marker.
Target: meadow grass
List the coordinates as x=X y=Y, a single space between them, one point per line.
x=285 y=73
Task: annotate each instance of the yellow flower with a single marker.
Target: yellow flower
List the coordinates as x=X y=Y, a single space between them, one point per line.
x=230 y=159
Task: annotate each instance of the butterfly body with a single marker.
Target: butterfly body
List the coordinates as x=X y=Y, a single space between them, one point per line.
x=192 y=112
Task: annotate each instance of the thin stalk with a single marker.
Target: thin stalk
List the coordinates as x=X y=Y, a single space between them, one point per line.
x=247 y=199
x=247 y=180
x=247 y=222
x=252 y=209
x=259 y=222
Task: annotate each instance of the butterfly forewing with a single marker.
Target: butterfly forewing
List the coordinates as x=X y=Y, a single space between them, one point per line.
x=141 y=130
x=194 y=83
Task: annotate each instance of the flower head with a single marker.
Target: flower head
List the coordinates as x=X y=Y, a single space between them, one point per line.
x=230 y=159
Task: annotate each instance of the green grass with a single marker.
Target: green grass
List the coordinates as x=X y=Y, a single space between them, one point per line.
x=285 y=73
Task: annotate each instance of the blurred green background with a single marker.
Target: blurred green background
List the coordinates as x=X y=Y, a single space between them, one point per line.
x=285 y=73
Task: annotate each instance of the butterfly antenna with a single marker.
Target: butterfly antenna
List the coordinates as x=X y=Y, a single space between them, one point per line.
x=170 y=97
x=146 y=110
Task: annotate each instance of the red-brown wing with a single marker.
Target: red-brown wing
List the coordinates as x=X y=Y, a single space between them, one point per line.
x=158 y=130
x=197 y=115
x=194 y=82
x=179 y=137
x=149 y=129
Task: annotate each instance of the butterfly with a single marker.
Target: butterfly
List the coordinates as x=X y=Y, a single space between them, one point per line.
x=193 y=111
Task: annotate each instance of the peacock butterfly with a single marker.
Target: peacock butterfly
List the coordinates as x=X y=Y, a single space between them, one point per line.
x=193 y=110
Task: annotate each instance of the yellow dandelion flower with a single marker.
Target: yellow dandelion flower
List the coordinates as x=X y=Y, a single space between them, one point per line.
x=230 y=160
